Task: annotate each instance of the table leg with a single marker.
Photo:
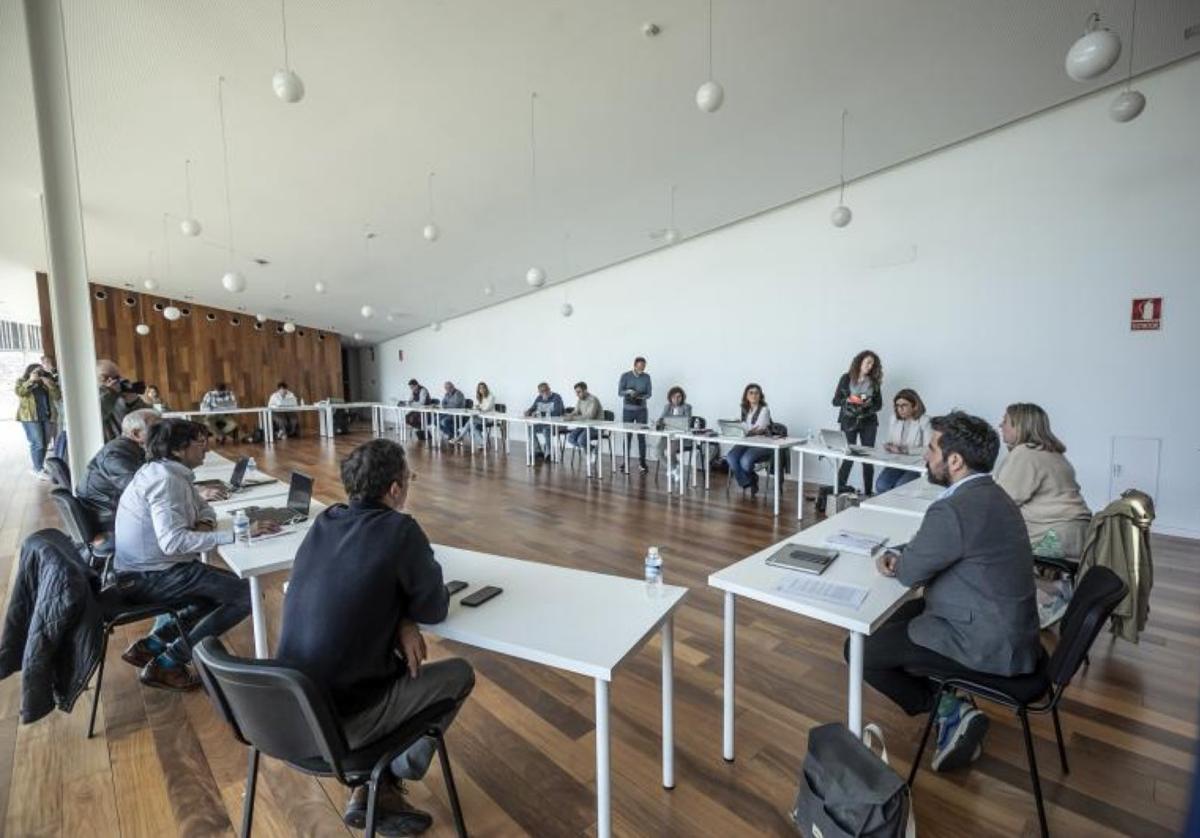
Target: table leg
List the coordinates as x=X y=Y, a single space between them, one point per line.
x=727 y=727
x=670 y=479
x=800 y=485
x=668 y=700
x=264 y=426
x=603 y=777
x=259 y=619
x=854 y=720
x=587 y=449
x=778 y=479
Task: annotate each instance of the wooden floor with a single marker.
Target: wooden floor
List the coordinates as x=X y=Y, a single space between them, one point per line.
x=522 y=747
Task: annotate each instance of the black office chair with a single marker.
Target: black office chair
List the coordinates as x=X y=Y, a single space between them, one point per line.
x=60 y=473
x=279 y=711
x=82 y=529
x=1039 y=692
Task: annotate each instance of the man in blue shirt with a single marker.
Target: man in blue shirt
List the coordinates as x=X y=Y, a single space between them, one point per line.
x=634 y=390
x=547 y=403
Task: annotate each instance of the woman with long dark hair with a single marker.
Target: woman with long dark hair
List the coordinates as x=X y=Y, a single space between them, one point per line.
x=859 y=394
x=756 y=419
x=908 y=434
x=38 y=393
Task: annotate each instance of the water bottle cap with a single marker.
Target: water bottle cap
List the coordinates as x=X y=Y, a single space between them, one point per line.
x=653 y=549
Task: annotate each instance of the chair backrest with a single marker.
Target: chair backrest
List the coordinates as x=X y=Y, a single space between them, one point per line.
x=272 y=707
x=501 y=408
x=74 y=517
x=609 y=416
x=469 y=403
x=698 y=423
x=1097 y=595
x=59 y=472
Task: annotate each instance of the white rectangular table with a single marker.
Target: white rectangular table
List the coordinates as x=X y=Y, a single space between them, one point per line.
x=912 y=498
x=875 y=457
x=754 y=579
x=324 y=426
x=582 y=622
x=261 y=412
x=776 y=444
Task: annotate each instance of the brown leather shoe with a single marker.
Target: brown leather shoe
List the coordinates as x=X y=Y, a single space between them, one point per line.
x=177 y=678
x=394 y=815
x=139 y=653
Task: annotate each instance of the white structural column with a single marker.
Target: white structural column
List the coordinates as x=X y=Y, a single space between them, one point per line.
x=75 y=349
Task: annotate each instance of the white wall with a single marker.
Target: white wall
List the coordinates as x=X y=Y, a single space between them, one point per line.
x=996 y=271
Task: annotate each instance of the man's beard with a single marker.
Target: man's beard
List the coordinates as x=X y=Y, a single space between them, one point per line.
x=936 y=478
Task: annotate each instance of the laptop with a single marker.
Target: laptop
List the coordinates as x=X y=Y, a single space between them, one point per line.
x=676 y=423
x=838 y=442
x=731 y=427
x=299 y=501
x=237 y=480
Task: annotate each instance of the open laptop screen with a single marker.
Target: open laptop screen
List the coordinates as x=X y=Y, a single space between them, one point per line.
x=300 y=493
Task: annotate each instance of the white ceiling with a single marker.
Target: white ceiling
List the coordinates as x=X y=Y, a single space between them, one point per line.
x=397 y=89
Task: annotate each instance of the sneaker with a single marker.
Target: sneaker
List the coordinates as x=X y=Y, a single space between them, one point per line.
x=140 y=653
x=177 y=678
x=394 y=815
x=960 y=737
x=642 y=468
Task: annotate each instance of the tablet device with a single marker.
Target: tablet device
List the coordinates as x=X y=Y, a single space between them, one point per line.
x=805 y=559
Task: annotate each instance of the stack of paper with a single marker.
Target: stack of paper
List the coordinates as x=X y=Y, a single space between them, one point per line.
x=813 y=587
x=861 y=543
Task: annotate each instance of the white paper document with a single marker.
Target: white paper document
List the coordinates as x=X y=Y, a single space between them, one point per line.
x=865 y=544
x=813 y=587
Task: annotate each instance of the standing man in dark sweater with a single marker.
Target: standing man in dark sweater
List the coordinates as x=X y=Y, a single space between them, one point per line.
x=634 y=390
x=364 y=577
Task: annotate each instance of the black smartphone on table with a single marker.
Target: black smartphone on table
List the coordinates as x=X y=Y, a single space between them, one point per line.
x=454 y=586
x=481 y=596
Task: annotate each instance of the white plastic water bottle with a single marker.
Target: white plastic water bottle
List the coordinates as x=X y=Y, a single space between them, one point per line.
x=654 y=567
x=251 y=468
x=241 y=527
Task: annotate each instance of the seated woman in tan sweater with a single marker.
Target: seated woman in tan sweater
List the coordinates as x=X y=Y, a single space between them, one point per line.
x=1042 y=482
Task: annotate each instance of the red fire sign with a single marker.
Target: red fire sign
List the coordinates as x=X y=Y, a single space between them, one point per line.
x=1146 y=314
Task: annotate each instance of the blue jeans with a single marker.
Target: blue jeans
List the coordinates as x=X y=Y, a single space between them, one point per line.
x=541 y=439
x=577 y=437
x=741 y=459
x=447 y=425
x=890 y=478
x=38 y=434
x=637 y=413
x=220 y=600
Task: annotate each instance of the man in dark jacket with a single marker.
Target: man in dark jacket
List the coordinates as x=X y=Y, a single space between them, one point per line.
x=979 y=609
x=364 y=577
x=114 y=465
x=53 y=628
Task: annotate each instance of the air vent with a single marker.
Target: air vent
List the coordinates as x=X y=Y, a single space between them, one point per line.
x=101 y=295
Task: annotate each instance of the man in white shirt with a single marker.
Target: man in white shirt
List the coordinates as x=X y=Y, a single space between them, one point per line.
x=215 y=400
x=285 y=423
x=162 y=527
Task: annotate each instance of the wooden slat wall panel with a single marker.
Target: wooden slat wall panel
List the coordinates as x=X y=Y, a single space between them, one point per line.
x=187 y=357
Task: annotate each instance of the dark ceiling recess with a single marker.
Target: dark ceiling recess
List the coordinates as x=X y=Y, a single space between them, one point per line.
x=260 y=261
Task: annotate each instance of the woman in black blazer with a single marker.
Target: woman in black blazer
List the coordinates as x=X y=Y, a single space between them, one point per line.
x=859 y=394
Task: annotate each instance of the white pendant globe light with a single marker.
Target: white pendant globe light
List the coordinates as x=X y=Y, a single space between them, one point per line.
x=142 y=329
x=358 y=335
x=535 y=277
x=430 y=232
x=841 y=214
x=172 y=312
x=367 y=312
x=488 y=290
x=261 y=318
x=710 y=95
x=287 y=86
x=567 y=309
x=285 y=82
x=670 y=235
x=436 y=326
x=189 y=226
x=1128 y=105
x=1094 y=54
x=234 y=282
x=150 y=284
x=289 y=326
x=319 y=287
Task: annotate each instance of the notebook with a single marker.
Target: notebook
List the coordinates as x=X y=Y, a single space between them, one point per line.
x=864 y=544
x=805 y=559
x=797 y=586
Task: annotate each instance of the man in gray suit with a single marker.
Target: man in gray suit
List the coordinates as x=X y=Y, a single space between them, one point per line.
x=979 y=611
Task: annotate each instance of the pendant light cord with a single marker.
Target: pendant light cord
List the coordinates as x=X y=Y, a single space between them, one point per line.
x=532 y=142
x=166 y=248
x=710 y=63
x=429 y=187
x=283 y=16
x=187 y=179
x=842 y=166
x=1132 y=34
x=225 y=160
x=671 y=207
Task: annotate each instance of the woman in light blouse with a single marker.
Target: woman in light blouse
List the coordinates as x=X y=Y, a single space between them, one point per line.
x=908 y=434
x=756 y=419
